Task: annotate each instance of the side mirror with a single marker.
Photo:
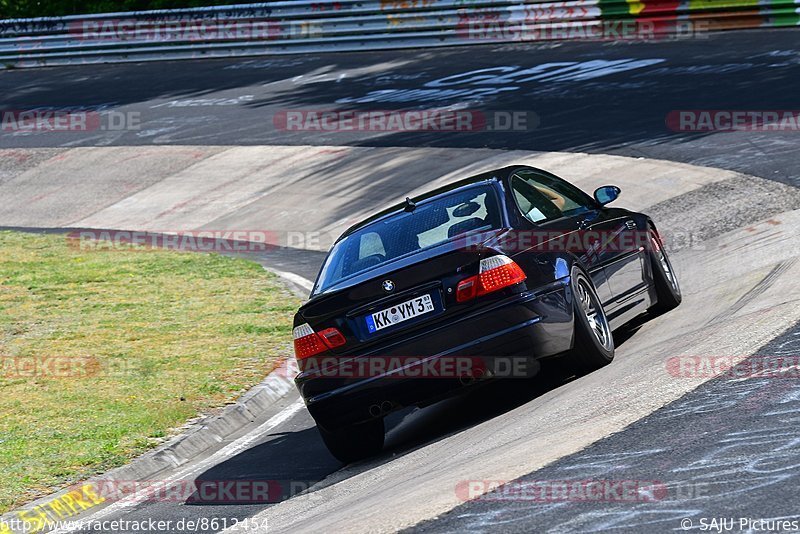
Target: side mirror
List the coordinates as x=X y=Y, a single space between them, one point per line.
x=606 y=194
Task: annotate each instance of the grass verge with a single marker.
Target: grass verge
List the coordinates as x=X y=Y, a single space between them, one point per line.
x=104 y=354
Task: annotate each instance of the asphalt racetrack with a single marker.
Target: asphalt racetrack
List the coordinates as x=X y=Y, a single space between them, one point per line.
x=611 y=98
x=711 y=447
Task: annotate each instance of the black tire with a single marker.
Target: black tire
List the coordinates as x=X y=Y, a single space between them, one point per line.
x=594 y=345
x=354 y=442
x=668 y=291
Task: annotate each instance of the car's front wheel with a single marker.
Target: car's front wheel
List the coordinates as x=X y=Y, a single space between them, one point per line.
x=354 y=442
x=594 y=344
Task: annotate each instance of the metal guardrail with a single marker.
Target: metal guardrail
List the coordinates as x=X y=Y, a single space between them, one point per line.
x=291 y=26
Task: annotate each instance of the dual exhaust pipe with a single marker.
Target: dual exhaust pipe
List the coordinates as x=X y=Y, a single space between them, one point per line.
x=379 y=410
x=473 y=377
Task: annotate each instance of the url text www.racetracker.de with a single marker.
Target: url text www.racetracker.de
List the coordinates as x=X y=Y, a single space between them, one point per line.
x=146 y=525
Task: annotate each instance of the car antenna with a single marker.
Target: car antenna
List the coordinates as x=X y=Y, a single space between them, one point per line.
x=410 y=206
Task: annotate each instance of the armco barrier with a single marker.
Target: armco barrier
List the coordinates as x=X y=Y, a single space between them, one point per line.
x=349 y=25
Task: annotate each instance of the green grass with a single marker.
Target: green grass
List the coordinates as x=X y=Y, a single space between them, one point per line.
x=167 y=336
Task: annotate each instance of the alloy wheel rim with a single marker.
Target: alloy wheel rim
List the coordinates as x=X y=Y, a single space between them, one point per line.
x=595 y=315
x=666 y=266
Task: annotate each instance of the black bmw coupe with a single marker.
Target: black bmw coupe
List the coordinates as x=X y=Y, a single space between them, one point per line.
x=471 y=282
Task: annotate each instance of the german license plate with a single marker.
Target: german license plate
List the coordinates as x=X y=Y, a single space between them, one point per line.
x=399 y=313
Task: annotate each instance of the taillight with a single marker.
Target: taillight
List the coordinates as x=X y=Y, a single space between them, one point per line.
x=495 y=273
x=498 y=272
x=307 y=343
x=467 y=289
x=332 y=337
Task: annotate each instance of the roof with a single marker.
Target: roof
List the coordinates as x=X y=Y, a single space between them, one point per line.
x=496 y=175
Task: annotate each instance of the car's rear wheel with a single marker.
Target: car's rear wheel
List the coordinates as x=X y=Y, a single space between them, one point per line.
x=594 y=344
x=668 y=290
x=354 y=442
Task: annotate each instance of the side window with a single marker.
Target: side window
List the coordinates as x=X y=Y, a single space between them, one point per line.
x=543 y=198
x=370 y=245
x=532 y=203
x=362 y=253
x=471 y=214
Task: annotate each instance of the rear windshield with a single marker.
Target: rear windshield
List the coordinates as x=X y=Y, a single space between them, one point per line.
x=432 y=222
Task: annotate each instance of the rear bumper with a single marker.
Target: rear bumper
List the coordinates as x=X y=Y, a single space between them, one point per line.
x=526 y=326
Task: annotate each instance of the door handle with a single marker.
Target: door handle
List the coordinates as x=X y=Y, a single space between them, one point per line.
x=588 y=220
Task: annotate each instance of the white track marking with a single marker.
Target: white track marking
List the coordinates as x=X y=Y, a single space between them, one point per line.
x=295 y=278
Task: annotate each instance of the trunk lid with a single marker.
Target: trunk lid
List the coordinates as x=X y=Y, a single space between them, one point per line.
x=423 y=294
